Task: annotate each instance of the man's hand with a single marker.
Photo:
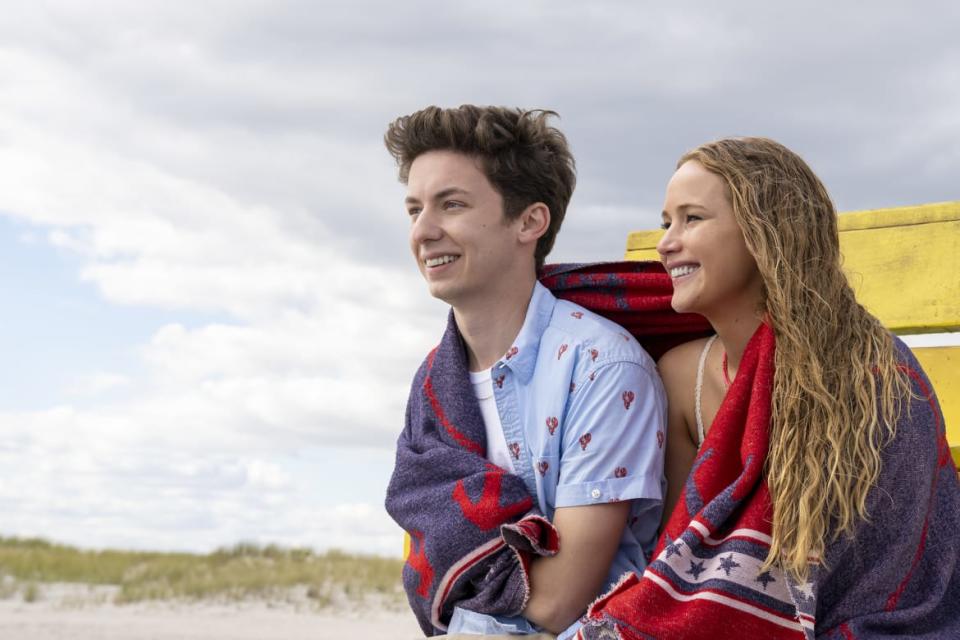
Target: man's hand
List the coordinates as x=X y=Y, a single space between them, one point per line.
x=563 y=585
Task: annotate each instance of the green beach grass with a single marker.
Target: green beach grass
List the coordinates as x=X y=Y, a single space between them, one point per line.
x=245 y=571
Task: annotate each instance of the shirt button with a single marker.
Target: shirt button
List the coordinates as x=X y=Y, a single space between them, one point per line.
x=595 y=494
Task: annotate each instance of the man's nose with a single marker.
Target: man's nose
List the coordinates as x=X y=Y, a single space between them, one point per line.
x=425 y=227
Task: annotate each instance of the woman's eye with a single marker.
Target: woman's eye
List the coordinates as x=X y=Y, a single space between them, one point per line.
x=664 y=225
x=693 y=218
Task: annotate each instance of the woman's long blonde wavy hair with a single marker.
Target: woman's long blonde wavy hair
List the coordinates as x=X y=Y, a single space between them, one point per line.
x=836 y=384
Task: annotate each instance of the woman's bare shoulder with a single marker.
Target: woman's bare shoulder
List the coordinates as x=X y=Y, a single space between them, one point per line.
x=680 y=363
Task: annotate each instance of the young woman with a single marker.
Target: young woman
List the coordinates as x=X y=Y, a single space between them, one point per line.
x=821 y=499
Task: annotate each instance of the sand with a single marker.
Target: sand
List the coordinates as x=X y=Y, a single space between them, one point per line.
x=84 y=613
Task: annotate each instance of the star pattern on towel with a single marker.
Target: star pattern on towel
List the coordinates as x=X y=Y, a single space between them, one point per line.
x=673 y=549
x=727 y=564
x=765 y=578
x=804 y=594
x=696 y=568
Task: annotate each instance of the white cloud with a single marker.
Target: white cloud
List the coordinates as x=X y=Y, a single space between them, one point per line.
x=104 y=481
x=97 y=383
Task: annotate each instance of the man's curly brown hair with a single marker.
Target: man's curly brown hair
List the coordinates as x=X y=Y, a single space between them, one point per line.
x=525 y=158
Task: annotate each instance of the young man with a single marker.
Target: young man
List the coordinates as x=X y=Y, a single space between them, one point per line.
x=565 y=404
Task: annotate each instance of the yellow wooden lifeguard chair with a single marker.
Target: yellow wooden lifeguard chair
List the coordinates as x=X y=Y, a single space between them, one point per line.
x=904 y=265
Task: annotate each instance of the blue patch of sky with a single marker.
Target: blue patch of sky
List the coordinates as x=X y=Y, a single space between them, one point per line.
x=55 y=330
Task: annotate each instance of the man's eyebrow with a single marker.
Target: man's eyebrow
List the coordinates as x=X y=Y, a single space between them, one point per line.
x=449 y=191
x=439 y=195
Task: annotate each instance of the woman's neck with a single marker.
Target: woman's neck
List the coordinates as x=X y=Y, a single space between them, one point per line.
x=735 y=328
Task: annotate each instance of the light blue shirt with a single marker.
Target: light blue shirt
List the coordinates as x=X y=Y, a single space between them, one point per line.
x=584 y=415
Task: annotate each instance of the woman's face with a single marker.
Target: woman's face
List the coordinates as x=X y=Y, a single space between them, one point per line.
x=703 y=248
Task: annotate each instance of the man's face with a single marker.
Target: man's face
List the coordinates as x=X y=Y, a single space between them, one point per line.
x=463 y=244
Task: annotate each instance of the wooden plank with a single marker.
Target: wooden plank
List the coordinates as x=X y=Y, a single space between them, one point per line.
x=900 y=216
x=908 y=276
x=942 y=366
x=643 y=243
x=904 y=263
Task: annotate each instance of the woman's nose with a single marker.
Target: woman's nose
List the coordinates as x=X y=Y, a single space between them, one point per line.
x=667 y=242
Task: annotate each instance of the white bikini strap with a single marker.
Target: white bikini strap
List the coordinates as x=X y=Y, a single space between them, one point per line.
x=699 y=388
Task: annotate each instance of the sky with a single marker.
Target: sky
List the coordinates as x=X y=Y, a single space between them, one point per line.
x=211 y=316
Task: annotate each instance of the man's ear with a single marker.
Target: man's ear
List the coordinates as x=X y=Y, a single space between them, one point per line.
x=534 y=222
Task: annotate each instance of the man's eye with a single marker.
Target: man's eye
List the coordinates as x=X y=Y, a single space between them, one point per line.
x=451 y=204
x=412 y=211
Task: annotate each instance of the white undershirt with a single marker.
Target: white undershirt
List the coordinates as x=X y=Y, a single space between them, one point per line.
x=497 y=451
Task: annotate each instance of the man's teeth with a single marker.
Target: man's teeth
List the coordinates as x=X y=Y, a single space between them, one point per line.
x=436 y=262
x=676 y=272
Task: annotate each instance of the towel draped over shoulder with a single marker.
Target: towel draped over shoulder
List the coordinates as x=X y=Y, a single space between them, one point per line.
x=897 y=576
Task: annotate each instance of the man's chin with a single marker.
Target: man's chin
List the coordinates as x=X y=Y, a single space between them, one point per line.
x=442 y=292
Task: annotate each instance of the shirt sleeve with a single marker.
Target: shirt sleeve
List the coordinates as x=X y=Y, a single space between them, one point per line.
x=613 y=438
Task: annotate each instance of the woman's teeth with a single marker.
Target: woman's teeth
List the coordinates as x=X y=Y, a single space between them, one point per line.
x=683 y=270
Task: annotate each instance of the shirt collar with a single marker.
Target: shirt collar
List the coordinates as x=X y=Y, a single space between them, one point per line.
x=521 y=357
